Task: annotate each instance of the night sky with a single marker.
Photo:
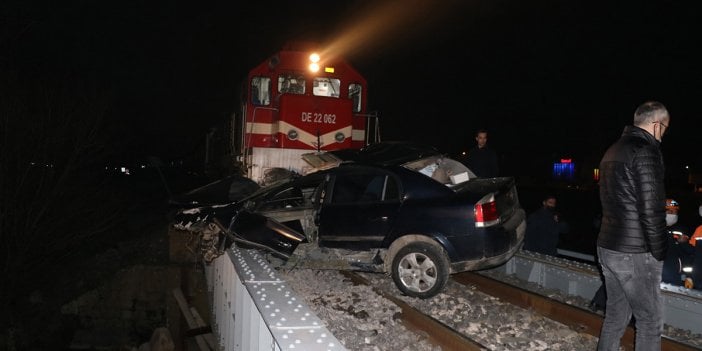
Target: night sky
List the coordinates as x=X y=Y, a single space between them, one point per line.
x=548 y=79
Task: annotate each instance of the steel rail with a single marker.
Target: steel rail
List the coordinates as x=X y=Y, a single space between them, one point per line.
x=576 y=318
x=438 y=333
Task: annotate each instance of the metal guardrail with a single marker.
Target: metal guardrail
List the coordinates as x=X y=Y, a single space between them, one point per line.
x=253 y=309
x=682 y=307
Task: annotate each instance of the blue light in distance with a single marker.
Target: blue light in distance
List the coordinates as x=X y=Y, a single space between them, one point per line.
x=564 y=170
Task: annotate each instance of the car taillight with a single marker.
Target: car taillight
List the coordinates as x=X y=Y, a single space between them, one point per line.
x=486 y=212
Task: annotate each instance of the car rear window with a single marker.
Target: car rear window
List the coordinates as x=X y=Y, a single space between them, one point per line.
x=442 y=169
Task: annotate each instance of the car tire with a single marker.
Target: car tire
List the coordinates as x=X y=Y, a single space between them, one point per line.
x=420 y=269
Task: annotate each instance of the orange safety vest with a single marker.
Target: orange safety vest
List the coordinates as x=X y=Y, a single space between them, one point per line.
x=697 y=235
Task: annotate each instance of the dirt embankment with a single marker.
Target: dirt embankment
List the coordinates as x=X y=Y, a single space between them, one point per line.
x=115 y=299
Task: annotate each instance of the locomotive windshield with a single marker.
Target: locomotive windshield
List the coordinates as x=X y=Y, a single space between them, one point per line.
x=291 y=84
x=323 y=86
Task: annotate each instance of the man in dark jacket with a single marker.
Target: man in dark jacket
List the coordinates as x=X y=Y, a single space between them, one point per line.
x=482 y=160
x=632 y=241
x=544 y=227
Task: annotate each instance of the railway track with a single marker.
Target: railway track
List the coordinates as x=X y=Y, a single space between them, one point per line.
x=448 y=338
x=438 y=333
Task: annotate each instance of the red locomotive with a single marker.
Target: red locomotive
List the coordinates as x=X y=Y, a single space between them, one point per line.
x=298 y=102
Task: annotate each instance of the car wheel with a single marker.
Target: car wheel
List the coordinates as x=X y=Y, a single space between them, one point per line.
x=420 y=269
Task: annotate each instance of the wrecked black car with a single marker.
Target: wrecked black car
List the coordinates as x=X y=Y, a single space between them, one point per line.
x=419 y=217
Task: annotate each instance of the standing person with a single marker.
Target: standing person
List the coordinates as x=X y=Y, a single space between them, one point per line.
x=482 y=160
x=680 y=253
x=544 y=227
x=631 y=244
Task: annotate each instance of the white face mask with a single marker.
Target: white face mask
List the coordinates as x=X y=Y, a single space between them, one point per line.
x=670 y=219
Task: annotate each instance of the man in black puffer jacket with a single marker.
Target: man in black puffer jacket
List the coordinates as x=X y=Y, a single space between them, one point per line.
x=632 y=241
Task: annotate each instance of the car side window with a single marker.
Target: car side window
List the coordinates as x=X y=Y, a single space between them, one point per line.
x=364 y=188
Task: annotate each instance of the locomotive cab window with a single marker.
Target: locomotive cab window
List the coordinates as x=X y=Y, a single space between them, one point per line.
x=355 y=96
x=261 y=91
x=291 y=84
x=326 y=87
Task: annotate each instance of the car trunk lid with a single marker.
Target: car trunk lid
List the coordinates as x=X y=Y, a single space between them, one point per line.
x=500 y=193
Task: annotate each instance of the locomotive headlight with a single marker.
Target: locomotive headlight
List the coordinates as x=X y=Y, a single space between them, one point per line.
x=314 y=65
x=687 y=269
x=339 y=137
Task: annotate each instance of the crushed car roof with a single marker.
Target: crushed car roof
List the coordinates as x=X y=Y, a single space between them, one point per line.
x=382 y=154
x=390 y=153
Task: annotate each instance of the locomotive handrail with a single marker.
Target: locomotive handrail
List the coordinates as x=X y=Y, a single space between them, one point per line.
x=376 y=126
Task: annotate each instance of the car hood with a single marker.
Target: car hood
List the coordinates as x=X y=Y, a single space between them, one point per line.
x=222 y=191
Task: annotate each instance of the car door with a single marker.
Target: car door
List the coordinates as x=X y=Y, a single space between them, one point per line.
x=280 y=218
x=360 y=208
